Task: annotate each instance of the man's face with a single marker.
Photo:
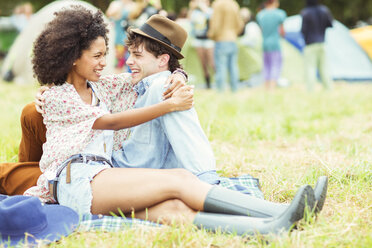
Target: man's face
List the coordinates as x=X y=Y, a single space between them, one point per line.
x=142 y=63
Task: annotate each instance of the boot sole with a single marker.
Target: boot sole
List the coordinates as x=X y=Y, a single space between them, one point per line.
x=320 y=192
x=294 y=212
x=303 y=198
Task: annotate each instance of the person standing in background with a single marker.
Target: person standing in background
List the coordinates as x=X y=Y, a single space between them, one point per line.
x=143 y=10
x=251 y=35
x=200 y=15
x=21 y=16
x=118 y=11
x=271 y=20
x=316 y=19
x=224 y=27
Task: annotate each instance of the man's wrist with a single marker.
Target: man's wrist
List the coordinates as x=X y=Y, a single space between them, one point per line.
x=182 y=72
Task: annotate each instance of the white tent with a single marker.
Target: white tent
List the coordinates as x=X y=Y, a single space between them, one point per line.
x=18 y=59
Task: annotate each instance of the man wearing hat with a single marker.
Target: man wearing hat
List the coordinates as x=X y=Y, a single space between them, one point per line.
x=174 y=140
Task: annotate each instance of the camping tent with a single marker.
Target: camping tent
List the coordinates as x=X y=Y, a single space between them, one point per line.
x=363 y=36
x=18 y=59
x=346 y=58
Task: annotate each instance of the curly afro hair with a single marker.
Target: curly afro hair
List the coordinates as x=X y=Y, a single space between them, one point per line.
x=62 y=41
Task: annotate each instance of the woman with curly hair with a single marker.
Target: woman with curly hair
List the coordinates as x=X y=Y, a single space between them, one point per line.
x=69 y=55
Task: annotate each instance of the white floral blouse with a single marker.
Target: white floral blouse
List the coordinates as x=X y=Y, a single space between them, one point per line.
x=69 y=124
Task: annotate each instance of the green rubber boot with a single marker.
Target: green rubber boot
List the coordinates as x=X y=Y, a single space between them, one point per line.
x=221 y=200
x=320 y=194
x=244 y=225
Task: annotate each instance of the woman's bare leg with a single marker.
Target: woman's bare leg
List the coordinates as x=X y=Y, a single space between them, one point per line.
x=210 y=58
x=167 y=212
x=137 y=189
x=204 y=56
x=203 y=60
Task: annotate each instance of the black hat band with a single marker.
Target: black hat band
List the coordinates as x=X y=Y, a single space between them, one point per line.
x=147 y=29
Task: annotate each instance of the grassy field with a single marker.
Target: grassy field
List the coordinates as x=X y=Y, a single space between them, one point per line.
x=286 y=138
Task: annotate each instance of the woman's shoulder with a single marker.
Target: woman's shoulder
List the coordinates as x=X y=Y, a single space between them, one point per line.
x=58 y=92
x=59 y=99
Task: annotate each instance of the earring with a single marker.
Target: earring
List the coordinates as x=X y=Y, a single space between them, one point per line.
x=74 y=64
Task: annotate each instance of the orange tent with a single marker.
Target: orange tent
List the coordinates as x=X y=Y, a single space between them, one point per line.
x=363 y=36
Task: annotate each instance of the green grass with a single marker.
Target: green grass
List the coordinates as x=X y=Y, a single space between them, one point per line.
x=286 y=138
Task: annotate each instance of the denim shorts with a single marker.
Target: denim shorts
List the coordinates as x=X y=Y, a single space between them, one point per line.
x=78 y=193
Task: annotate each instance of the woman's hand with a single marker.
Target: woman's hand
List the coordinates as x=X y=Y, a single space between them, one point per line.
x=39 y=99
x=173 y=83
x=182 y=98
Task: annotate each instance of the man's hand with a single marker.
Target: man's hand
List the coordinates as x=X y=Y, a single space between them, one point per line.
x=39 y=99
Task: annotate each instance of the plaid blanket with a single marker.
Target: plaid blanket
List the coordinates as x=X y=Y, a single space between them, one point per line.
x=111 y=223
x=245 y=184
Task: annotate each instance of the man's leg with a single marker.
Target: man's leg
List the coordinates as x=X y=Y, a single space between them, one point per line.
x=233 y=66
x=310 y=67
x=15 y=178
x=324 y=68
x=33 y=135
x=221 y=65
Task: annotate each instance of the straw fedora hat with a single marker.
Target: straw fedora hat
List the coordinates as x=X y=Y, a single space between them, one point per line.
x=26 y=214
x=164 y=31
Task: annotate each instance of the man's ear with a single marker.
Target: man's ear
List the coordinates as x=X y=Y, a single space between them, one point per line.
x=164 y=59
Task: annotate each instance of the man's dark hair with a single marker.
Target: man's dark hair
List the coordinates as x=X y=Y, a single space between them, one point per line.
x=153 y=47
x=63 y=40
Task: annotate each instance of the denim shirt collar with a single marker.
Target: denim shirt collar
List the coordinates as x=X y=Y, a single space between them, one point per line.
x=141 y=87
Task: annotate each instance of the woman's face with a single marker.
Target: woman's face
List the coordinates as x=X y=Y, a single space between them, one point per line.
x=92 y=61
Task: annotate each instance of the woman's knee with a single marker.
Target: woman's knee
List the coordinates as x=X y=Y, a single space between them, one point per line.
x=175 y=211
x=176 y=206
x=183 y=175
x=29 y=112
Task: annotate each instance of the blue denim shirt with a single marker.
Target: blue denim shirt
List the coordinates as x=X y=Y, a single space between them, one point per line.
x=174 y=140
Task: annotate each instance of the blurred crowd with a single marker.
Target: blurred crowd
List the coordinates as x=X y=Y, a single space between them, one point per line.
x=215 y=30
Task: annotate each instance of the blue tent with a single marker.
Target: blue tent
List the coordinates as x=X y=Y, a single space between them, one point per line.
x=346 y=58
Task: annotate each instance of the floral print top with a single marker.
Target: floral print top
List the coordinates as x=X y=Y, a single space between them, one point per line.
x=69 y=124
